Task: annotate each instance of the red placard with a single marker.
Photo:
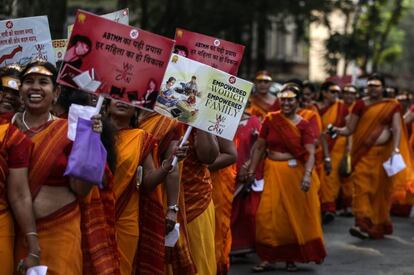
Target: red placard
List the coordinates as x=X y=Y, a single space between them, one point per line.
x=119 y=61
x=220 y=54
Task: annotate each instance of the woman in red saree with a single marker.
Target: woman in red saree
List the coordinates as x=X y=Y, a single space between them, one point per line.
x=288 y=225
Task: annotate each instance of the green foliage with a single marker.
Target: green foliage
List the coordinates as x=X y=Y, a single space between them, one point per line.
x=374 y=23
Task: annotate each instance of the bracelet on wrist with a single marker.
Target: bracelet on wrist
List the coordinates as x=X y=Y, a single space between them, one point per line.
x=32 y=234
x=165 y=169
x=174 y=208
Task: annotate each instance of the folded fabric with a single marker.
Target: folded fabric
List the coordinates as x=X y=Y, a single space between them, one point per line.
x=394 y=165
x=87 y=159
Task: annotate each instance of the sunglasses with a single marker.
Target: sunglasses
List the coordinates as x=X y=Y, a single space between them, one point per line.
x=263 y=81
x=374 y=85
x=350 y=91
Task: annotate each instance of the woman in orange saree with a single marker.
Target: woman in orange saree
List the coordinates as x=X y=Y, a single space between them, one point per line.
x=135 y=165
x=55 y=202
x=199 y=208
x=288 y=218
x=333 y=112
x=178 y=258
x=378 y=135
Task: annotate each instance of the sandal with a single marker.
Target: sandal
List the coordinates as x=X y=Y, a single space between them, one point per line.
x=356 y=232
x=263 y=267
x=291 y=267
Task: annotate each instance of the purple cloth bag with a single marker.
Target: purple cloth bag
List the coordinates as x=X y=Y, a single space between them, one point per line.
x=87 y=159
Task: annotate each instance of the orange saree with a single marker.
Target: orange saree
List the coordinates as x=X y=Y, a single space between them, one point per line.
x=288 y=219
x=373 y=188
x=199 y=210
x=223 y=182
x=133 y=145
x=6 y=219
x=179 y=257
x=99 y=248
x=59 y=233
x=331 y=184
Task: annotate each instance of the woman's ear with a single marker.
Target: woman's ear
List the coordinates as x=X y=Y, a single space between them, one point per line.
x=57 y=92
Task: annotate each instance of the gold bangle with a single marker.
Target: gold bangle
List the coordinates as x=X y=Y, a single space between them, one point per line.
x=166 y=170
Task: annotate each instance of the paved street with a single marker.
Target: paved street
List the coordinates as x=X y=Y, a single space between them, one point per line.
x=350 y=256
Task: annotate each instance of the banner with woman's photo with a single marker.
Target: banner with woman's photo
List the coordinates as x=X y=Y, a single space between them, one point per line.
x=116 y=60
x=203 y=97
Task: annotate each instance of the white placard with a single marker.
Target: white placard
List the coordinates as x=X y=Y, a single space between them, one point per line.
x=203 y=97
x=25 y=39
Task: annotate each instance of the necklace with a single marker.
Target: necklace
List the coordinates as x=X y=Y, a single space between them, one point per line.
x=27 y=126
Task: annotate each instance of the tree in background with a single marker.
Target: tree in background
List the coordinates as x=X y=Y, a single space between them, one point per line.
x=369 y=25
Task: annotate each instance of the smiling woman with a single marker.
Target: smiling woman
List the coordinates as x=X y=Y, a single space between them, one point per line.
x=55 y=203
x=288 y=227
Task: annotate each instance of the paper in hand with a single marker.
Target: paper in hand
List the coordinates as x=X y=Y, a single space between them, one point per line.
x=172 y=237
x=394 y=165
x=78 y=111
x=37 y=270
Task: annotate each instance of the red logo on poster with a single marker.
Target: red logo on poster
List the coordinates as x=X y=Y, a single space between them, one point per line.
x=9 y=24
x=232 y=80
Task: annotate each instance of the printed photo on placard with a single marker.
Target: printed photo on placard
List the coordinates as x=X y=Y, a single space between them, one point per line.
x=203 y=97
x=116 y=60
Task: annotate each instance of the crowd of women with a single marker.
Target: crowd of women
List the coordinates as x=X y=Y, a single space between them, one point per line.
x=268 y=191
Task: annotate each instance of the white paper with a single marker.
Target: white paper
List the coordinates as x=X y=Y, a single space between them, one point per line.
x=76 y=111
x=172 y=237
x=37 y=270
x=258 y=185
x=394 y=167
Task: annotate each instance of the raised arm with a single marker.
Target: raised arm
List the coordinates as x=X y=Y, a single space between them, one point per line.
x=227 y=155
x=206 y=147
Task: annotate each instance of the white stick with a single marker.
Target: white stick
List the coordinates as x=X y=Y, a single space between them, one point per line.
x=185 y=138
x=99 y=104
